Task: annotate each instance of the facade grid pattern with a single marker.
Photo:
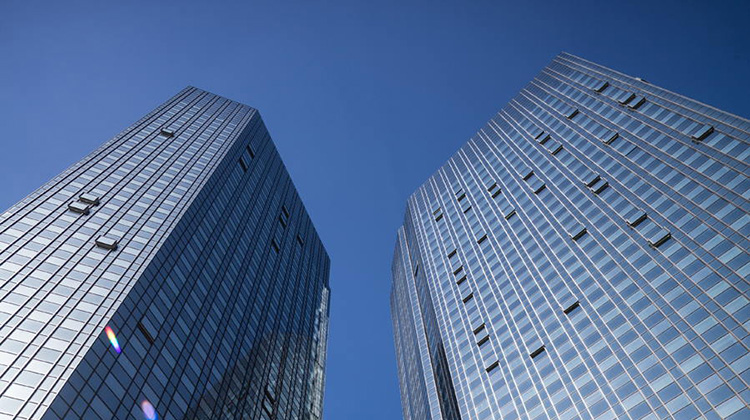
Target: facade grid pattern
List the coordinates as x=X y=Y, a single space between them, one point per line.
x=584 y=255
x=185 y=236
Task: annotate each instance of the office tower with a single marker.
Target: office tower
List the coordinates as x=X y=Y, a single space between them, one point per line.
x=173 y=273
x=584 y=255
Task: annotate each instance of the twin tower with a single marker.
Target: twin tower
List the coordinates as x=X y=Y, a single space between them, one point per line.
x=584 y=255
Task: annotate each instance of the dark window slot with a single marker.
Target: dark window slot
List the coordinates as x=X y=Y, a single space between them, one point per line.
x=166 y=133
x=275 y=246
x=482 y=239
x=483 y=340
x=300 y=240
x=469 y=297
x=537 y=352
x=458 y=270
x=243 y=164
x=609 y=137
x=571 y=308
x=250 y=151
x=492 y=367
x=452 y=254
x=461 y=280
x=479 y=329
x=145 y=332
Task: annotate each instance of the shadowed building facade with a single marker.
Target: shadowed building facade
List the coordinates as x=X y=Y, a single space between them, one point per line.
x=185 y=240
x=584 y=255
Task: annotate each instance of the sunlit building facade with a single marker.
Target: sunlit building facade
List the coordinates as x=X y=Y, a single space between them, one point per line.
x=584 y=255
x=173 y=273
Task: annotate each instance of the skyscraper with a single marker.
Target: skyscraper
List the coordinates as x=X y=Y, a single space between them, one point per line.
x=584 y=255
x=172 y=273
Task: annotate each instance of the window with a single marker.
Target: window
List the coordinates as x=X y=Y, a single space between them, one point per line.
x=438 y=213
x=626 y=97
x=543 y=138
x=250 y=151
x=600 y=85
x=537 y=352
x=658 y=238
x=570 y=112
x=637 y=217
x=481 y=334
x=482 y=239
x=702 y=133
x=636 y=102
x=492 y=367
x=509 y=212
x=554 y=147
x=462 y=196
x=576 y=231
x=146 y=333
x=461 y=280
x=78 y=207
x=590 y=178
x=300 y=240
x=536 y=132
x=525 y=171
x=537 y=185
x=243 y=164
x=571 y=308
x=165 y=132
x=452 y=254
x=494 y=190
x=89 y=198
x=469 y=297
x=106 y=243
x=599 y=185
x=274 y=245
x=609 y=136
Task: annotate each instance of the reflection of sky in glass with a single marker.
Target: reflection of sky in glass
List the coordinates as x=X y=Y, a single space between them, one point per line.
x=112 y=338
x=149 y=412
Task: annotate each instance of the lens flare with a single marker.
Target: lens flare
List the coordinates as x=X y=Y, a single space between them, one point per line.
x=148 y=410
x=112 y=338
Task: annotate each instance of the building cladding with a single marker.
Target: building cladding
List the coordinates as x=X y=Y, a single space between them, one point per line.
x=185 y=237
x=584 y=255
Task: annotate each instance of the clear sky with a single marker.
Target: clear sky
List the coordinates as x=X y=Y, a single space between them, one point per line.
x=364 y=101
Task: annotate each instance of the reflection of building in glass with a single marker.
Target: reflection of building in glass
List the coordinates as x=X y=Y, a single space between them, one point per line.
x=185 y=238
x=585 y=255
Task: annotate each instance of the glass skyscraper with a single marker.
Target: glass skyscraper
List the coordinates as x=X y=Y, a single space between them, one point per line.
x=584 y=255
x=173 y=273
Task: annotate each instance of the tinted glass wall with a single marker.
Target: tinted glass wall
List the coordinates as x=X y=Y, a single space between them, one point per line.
x=584 y=255
x=173 y=272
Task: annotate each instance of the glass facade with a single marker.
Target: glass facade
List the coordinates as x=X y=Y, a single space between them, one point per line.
x=584 y=255
x=173 y=273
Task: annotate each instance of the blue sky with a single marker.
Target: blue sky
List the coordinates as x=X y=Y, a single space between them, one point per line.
x=364 y=101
